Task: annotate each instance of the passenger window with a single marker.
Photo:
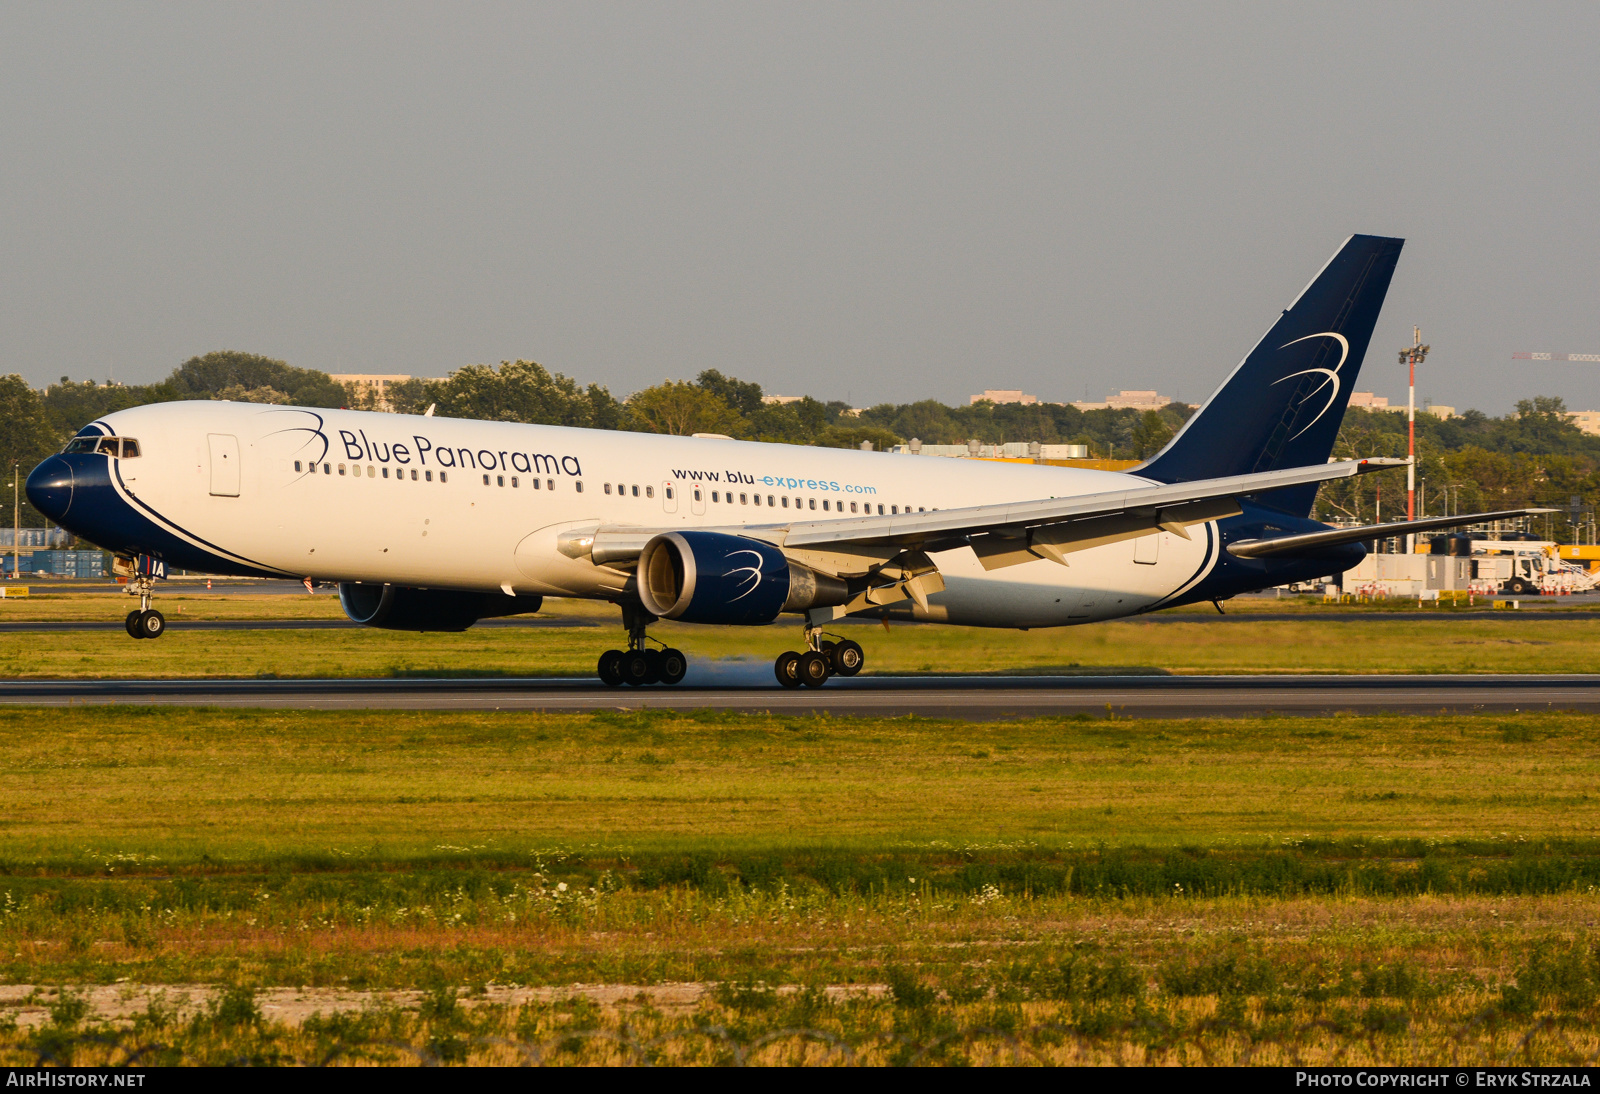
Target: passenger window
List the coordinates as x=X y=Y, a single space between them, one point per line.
x=608 y=488
x=636 y=492
x=327 y=469
x=500 y=481
x=744 y=499
x=443 y=477
x=385 y=472
x=513 y=482
x=536 y=484
x=852 y=507
x=670 y=493
x=894 y=509
x=372 y=472
x=824 y=505
x=769 y=501
x=578 y=486
x=650 y=491
x=297 y=465
x=786 y=501
x=549 y=484
x=130 y=449
x=813 y=503
x=920 y=509
x=715 y=496
x=428 y=475
x=413 y=474
x=341 y=469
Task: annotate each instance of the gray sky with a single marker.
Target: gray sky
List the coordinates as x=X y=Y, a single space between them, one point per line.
x=879 y=202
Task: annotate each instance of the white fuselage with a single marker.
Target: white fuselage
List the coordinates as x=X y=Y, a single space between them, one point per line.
x=450 y=503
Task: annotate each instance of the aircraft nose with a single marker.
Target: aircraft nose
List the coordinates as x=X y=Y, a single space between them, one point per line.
x=50 y=488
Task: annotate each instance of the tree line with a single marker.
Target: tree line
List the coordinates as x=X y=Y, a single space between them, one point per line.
x=1534 y=456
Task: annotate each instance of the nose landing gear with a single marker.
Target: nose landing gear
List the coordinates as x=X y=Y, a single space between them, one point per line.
x=146 y=622
x=823 y=658
x=639 y=665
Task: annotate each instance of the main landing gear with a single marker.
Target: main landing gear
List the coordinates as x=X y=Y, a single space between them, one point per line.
x=822 y=658
x=638 y=664
x=146 y=622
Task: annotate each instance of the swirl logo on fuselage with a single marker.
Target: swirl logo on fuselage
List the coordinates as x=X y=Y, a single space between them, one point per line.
x=1331 y=375
x=317 y=436
x=754 y=572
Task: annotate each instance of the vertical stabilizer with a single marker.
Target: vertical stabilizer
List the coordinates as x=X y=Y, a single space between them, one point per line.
x=1283 y=405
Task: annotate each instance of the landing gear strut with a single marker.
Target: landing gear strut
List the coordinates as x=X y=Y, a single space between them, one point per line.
x=146 y=622
x=821 y=659
x=639 y=664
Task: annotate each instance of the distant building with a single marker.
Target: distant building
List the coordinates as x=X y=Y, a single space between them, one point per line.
x=781 y=399
x=1370 y=401
x=377 y=383
x=1586 y=420
x=1128 y=400
x=1449 y=411
x=1006 y=396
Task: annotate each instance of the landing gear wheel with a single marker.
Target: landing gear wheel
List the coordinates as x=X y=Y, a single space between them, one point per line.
x=847 y=658
x=653 y=659
x=152 y=624
x=635 y=668
x=673 y=665
x=611 y=668
x=787 y=669
x=812 y=669
x=133 y=624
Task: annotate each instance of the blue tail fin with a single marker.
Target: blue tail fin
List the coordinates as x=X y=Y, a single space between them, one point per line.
x=1283 y=405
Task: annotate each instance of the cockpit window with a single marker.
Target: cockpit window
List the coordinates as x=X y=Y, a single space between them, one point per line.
x=123 y=447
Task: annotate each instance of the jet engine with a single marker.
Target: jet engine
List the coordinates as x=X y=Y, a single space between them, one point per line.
x=398 y=608
x=712 y=577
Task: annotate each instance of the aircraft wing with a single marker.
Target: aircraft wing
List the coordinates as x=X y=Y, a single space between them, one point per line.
x=1004 y=534
x=1334 y=537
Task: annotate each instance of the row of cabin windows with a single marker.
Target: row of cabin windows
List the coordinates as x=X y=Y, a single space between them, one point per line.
x=125 y=448
x=516 y=482
x=372 y=472
x=829 y=505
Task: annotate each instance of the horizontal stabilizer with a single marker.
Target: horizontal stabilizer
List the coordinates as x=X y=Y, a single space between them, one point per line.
x=1336 y=537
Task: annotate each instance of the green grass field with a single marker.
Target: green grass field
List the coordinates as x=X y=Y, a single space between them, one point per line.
x=1351 y=889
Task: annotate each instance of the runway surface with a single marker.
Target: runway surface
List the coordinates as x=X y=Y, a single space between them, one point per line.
x=740 y=686
x=178 y=623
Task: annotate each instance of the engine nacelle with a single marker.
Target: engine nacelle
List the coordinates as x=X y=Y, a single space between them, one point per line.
x=712 y=577
x=397 y=608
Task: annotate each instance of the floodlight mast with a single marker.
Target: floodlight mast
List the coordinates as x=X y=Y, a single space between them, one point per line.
x=1412 y=355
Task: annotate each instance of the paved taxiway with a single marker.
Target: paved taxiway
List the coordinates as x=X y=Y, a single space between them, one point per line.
x=970 y=697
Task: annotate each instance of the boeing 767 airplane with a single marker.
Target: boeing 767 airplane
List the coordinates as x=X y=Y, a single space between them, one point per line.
x=432 y=524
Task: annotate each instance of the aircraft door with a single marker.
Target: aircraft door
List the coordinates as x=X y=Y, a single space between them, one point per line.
x=697 y=500
x=669 y=497
x=224 y=465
